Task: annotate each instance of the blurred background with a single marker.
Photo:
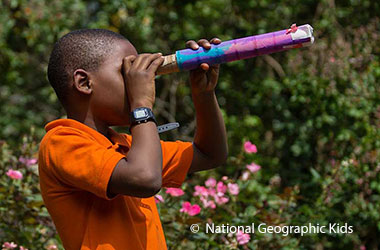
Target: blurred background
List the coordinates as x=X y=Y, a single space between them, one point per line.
x=313 y=113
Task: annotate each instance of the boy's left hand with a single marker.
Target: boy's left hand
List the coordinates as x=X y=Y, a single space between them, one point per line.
x=205 y=77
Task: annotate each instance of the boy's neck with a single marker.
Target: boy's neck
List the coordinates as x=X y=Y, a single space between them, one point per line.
x=88 y=120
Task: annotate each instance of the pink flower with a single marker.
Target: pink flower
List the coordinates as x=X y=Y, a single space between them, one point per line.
x=195 y=209
x=23 y=248
x=221 y=188
x=14 y=174
x=211 y=191
x=359 y=181
x=242 y=238
x=224 y=178
x=200 y=191
x=175 y=191
x=220 y=200
x=190 y=209
x=211 y=182
x=186 y=206
x=211 y=204
x=52 y=247
x=332 y=162
x=249 y=147
x=208 y=203
x=27 y=162
x=10 y=245
x=233 y=188
x=253 y=167
x=158 y=199
x=245 y=175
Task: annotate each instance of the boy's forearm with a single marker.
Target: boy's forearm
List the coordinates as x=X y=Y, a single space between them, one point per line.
x=210 y=136
x=146 y=150
x=141 y=174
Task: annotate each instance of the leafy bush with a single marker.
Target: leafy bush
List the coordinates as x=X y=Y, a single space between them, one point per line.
x=25 y=220
x=313 y=113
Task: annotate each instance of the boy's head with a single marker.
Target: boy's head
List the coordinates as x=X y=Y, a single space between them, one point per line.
x=85 y=70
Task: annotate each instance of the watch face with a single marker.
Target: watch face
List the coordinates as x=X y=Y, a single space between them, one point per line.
x=140 y=114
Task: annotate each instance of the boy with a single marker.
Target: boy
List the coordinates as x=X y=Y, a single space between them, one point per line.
x=98 y=185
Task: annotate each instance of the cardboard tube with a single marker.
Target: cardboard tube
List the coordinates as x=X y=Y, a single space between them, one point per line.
x=168 y=66
x=238 y=49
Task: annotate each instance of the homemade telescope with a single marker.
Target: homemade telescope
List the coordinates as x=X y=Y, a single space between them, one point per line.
x=238 y=49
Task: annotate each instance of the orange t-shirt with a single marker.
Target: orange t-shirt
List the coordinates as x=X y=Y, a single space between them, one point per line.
x=75 y=165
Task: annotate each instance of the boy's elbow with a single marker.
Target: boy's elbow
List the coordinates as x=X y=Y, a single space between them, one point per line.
x=151 y=184
x=139 y=180
x=149 y=191
x=154 y=187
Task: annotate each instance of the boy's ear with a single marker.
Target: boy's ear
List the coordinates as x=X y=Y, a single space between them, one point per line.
x=82 y=81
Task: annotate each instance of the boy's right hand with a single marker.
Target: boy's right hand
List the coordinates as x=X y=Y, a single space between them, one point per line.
x=139 y=73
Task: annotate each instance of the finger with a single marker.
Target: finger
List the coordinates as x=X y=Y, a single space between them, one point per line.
x=155 y=64
x=213 y=73
x=192 y=45
x=127 y=63
x=205 y=66
x=215 y=40
x=197 y=74
x=215 y=67
x=140 y=57
x=204 y=43
x=147 y=60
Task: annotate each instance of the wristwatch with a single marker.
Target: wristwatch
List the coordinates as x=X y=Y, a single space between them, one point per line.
x=141 y=115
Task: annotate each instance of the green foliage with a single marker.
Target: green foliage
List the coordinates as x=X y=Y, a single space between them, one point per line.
x=25 y=219
x=314 y=113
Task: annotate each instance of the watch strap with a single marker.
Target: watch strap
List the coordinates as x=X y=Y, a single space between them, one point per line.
x=167 y=127
x=150 y=117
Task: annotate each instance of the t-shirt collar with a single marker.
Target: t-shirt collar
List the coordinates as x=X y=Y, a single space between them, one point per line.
x=115 y=137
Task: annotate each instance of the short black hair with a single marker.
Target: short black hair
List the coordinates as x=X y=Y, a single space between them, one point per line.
x=80 y=49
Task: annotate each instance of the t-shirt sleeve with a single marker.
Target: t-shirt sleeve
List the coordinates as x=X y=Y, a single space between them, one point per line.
x=176 y=160
x=79 y=161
